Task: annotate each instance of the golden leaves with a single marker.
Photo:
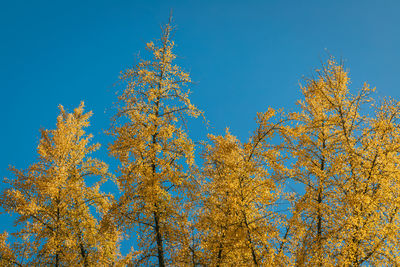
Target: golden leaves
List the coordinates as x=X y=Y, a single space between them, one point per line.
x=238 y=196
x=339 y=154
x=154 y=150
x=52 y=201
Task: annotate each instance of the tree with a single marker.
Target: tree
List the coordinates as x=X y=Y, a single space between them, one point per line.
x=54 y=205
x=237 y=221
x=154 y=153
x=348 y=164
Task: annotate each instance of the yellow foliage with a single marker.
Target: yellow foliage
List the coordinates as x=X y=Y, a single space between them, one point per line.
x=339 y=154
x=155 y=153
x=348 y=165
x=53 y=202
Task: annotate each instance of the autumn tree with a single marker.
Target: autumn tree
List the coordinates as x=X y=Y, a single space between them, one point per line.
x=238 y=221
x=57 y=211
x=155 y=154
x=347 y=161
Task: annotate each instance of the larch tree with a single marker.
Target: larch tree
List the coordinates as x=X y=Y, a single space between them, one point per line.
x=348 y=164
x=58 y=214
x=155 y=155
x=238 y=222
x=370 y=192
x=327 y=124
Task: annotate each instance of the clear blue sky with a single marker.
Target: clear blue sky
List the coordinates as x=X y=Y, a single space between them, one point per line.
x=243 y=55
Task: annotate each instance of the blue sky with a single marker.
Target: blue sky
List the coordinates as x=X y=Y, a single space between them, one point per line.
x=243 y=55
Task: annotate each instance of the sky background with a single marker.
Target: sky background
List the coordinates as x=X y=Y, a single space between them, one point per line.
x=244 y=56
